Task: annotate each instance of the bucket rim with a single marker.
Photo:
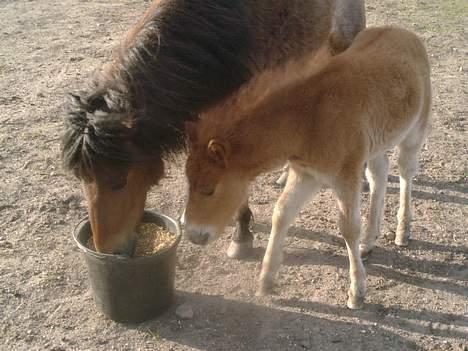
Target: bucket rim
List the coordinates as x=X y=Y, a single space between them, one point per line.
x=101 y=255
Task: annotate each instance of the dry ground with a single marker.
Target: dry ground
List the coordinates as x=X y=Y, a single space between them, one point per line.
x=417 y=298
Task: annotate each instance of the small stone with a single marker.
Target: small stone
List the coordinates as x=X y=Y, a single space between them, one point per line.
x=306 y=344
x=184 y=311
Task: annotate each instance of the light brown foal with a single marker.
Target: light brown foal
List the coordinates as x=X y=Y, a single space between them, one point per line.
x=327 y=124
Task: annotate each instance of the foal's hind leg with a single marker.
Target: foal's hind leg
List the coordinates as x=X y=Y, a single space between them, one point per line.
x=348 y=192
x=242 y=239
x=299 y=188
x=376 y=174
x=408 y=166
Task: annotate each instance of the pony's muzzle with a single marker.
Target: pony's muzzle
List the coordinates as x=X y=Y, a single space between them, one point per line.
x=127 y=250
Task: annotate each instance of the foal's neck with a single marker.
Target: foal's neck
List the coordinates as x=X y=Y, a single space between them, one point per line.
x=265 y=139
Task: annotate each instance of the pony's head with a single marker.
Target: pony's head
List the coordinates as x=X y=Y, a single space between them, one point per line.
x=102 y=147
x=216 y=188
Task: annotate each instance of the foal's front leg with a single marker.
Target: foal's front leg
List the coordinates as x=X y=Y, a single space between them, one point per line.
x=299 y=188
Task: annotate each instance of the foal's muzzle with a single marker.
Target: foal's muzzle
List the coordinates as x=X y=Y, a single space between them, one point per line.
x=198 y=238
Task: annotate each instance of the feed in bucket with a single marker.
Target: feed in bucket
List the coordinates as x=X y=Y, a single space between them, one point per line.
x=151 y=238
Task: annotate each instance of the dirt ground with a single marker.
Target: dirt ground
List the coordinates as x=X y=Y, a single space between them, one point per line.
x=417 y=297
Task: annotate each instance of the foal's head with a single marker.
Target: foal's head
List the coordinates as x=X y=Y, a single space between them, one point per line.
x=216 y=187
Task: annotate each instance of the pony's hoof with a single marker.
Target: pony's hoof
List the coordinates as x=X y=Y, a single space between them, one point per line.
x=239 y=250
x=355 y=302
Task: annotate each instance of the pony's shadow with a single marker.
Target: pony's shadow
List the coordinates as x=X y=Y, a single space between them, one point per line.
x=223 y=324
x=383 y=262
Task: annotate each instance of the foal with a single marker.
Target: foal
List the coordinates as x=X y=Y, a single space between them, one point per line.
x=373 y=97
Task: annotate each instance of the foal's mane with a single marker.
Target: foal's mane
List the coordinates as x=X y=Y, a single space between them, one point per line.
x=269 y=84
x=181 y=58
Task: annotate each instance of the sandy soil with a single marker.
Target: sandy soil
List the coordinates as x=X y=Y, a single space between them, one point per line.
x=417 y=298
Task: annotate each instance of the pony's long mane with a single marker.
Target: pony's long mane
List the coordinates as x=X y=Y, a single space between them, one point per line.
x=181 y=58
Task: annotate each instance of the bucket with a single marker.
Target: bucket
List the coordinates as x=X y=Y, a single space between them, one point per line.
x=131 y=289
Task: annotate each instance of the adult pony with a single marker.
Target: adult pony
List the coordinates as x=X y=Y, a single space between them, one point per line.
x=328 y=123
x=182 y=57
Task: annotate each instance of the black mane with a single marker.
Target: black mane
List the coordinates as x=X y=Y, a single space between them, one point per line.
x=184 y=57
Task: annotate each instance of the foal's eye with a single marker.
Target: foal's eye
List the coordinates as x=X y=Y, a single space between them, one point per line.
x=207 y=192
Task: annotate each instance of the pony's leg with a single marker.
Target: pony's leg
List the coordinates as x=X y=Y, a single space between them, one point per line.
x=299 y=188
x=348 y=193
x=242 y=239
x=408 y=166
x=283 y=177
x=376 y=174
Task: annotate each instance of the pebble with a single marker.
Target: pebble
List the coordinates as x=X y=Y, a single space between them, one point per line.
x=184 y=311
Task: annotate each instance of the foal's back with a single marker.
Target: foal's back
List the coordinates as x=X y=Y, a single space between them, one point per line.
x=369 y=97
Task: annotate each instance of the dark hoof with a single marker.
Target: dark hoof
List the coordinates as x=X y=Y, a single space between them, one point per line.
x=365 y=252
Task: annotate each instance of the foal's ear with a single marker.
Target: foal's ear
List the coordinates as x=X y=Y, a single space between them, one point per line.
x=191 y=131
x=218 y=151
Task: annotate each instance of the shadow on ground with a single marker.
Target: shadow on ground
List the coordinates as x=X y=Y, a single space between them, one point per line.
x=222 y=324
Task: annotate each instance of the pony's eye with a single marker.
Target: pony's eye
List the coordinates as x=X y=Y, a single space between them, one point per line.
x=116 y=186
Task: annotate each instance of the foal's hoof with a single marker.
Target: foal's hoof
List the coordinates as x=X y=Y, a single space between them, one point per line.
x=402 y=238
x=402 y=242
x=240 y=250
x=281 y=181
x=355 y=302
x=182 y=219
x=265 y=288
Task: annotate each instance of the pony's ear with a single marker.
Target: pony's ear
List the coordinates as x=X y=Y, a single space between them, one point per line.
x=191 y=131
x=218 y=151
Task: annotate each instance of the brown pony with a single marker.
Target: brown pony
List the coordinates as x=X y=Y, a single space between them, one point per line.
x=181 y=58
x=328 y=124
